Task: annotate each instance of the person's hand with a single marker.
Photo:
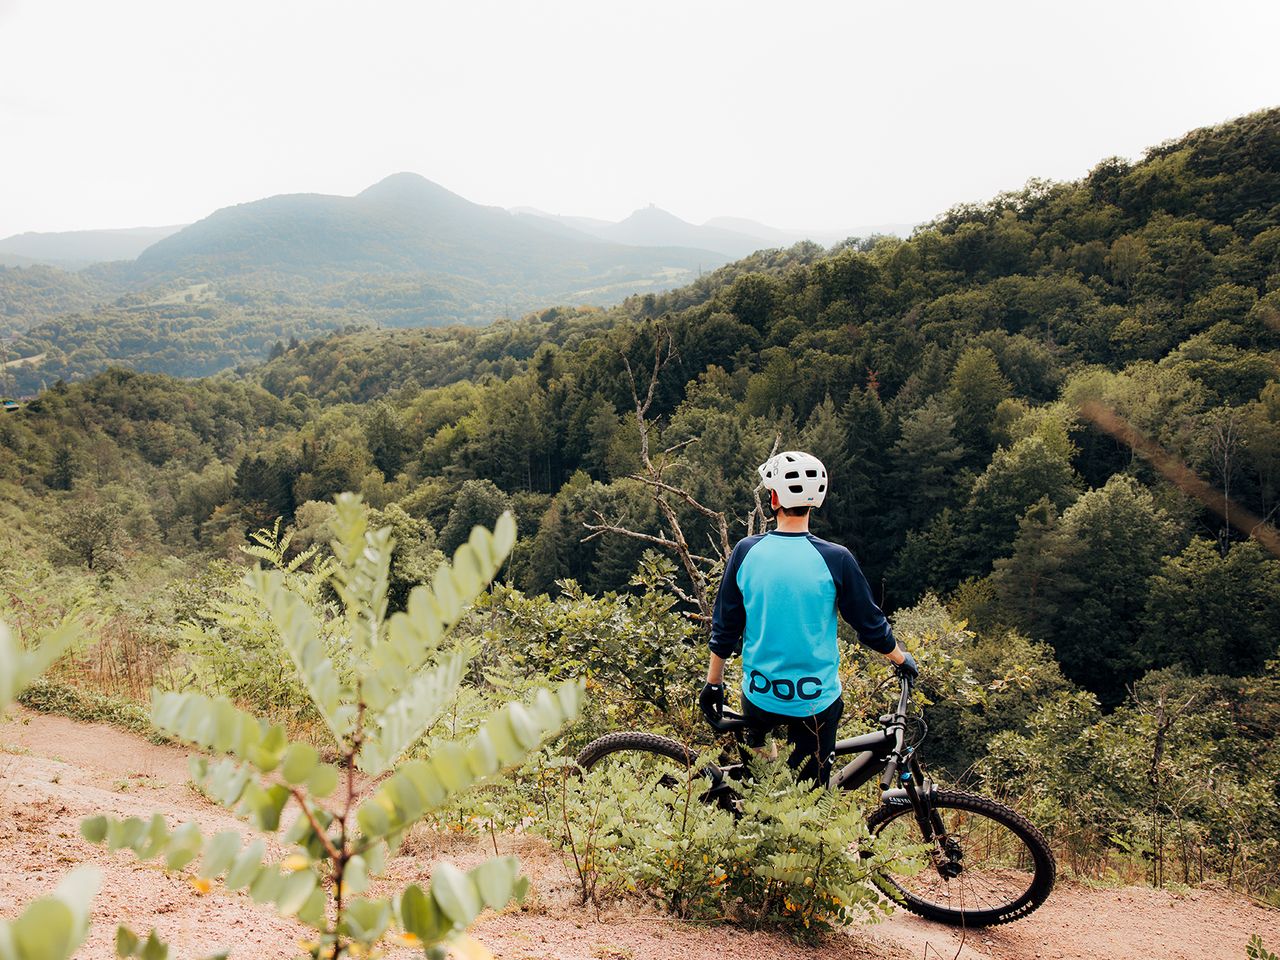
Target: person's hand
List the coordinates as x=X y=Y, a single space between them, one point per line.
x=711 y=701
x=908 y=667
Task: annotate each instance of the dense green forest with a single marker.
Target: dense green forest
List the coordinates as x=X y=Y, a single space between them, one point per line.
x=34 y=293
x=1064 y=592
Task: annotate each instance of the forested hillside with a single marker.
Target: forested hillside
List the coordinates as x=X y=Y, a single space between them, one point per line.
x=404 y=252
x=963 y=387
x=29 y=294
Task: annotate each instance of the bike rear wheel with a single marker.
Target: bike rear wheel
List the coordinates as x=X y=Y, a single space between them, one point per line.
x=635 y=742
x=655 y=761
x=992 y=865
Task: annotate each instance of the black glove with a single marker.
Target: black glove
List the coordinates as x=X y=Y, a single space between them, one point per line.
x=711 y=701
x=907 y=667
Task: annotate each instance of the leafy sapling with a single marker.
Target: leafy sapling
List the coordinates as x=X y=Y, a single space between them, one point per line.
x=377 y=690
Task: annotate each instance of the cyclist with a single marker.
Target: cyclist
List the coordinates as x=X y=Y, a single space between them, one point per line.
x=778 y=603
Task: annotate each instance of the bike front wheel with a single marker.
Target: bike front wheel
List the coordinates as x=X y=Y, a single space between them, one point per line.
x=990 y=866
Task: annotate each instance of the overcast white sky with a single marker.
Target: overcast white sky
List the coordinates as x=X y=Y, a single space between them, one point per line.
x=815 y=114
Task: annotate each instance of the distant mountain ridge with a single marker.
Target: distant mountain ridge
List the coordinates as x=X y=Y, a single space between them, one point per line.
x=406 y=224
x=71 y=249
x=734 y=237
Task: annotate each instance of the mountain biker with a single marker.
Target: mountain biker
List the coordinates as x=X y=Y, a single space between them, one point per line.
x=778 y=603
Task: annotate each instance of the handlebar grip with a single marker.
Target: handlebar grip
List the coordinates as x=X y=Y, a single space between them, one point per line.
x=728 y=722
x=889 y=775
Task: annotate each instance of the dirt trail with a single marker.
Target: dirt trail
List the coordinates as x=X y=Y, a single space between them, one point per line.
x=53 y=771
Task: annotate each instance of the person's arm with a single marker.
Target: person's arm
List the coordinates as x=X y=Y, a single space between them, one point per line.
x=860 y=610
x=715 y=670
x=728 y=620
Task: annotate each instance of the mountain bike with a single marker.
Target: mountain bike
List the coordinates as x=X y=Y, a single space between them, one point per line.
x=987 y=863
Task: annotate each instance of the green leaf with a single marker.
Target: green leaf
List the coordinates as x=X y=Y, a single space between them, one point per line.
x=422 y=785
x=367 y=920
x=299 y=762
x=53 y=927
x=263 y=805
x=373 y=816
x=446 y=594
x=482 y=756
x=300 y=635
x=375 y=856
x=520 y=890
x=504 y=537
x=456 y=894
x=94 y=829
x=467 y=575
x=246 y=865
x=355 y=876
x=527 y=729
x=154 y=949
x=123 y=833
x=496 y=879
x=312 y=912
x=363 y=570
x=421 y=916
x=126 y=942
x=324 y=780
x=294 y=891
x=267 y=753
x=77 y=890
x=153 y=842
x=184 y=844
x=481 y=542
x=266 y=885
x=45 y=931
x=225 y=782
x=219 y=853
x=18 y=667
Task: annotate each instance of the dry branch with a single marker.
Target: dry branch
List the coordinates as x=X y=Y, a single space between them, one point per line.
x=697 y=568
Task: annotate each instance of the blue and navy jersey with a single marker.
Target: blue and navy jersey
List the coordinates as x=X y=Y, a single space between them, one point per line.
x=778 y=601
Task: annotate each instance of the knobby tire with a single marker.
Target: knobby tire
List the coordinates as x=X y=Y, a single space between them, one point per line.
x=1043 y=867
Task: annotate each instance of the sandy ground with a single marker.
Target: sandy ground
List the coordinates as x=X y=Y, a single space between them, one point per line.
x=54 y=771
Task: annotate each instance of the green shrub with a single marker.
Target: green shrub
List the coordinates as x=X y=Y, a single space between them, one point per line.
x=231 y=650
x=49 y=696
x=794 y=857
x=377 y=690
x=642 y=660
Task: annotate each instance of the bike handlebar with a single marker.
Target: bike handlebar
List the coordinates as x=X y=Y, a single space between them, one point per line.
x=729 y=722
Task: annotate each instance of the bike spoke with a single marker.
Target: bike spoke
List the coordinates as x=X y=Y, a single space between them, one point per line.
x=993 y=863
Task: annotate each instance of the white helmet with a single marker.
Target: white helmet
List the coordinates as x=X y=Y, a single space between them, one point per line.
x=799 y=479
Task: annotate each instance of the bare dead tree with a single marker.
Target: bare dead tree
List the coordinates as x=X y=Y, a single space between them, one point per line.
x=654 y=473
x=1164 y=715
x=1224 y=440
x=757 y=519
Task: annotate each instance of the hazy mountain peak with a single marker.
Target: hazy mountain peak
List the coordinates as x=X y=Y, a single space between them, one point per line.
x=655 y=215
x=409 y=187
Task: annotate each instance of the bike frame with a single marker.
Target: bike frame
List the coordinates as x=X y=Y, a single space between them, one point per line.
x=902 y=778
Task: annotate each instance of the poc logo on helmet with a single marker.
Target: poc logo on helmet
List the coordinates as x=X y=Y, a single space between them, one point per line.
x=806 y=688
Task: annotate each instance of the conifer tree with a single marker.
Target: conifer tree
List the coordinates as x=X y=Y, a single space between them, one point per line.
x=977 y=386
